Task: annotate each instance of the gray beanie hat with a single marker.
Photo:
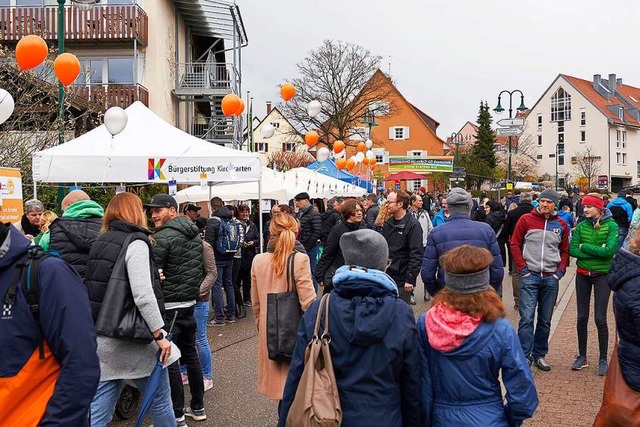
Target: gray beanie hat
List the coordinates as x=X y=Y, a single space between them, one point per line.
x=550 y=194
x=365 y=248
x=459 y=201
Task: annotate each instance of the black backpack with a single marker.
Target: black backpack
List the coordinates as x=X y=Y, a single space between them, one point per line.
x=26 y=273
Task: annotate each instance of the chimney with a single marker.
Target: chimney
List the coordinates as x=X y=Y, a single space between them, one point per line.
x=597 y=79
x=268 y=107
x=619 y=82
x=612 y=84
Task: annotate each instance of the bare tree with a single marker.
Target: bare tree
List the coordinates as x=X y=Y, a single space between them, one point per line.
x=346 y=79
x=588 y=165
x=285 y=160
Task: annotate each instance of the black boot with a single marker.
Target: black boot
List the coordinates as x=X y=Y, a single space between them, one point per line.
x=241 y=312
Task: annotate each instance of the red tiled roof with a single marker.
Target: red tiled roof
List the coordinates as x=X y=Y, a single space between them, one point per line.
x=585 y=87
x=425 y=117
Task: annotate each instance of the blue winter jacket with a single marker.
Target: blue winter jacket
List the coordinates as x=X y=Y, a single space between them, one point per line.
x=69 y=362
x=439 y=218
x=624 y=281
x=622 y=202
x=566 y=217
x=374 y=349
x=460 y=387
x=457 y=231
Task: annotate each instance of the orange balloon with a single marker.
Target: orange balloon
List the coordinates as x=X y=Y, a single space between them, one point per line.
x=31 y=51
x=361 y=146
x=240 y=108
x=311 y=138
x=350 y=164
x=67 y=68
x=287 y=91
x=230 y=104
x=365 y=161
x=372 y=162
x=341 y=163
x=338 y=146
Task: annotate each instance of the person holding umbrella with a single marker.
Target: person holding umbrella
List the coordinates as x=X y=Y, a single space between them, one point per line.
x=120 y=357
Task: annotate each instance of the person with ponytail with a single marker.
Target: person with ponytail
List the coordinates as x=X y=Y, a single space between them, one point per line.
x=268 y=275
x=594 y=243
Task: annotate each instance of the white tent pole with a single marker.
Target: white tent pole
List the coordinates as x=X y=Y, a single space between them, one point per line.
x=209 y=201
x=35 y=189
x=260 y=213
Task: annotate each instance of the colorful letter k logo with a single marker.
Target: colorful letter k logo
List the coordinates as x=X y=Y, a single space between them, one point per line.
x=155 y=169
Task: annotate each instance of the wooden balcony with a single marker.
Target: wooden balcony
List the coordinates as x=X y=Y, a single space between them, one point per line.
x=106 y=96
x=102 y=24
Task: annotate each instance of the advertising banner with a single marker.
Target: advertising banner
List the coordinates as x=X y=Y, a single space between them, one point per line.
x=421 y=163
x=11 y=205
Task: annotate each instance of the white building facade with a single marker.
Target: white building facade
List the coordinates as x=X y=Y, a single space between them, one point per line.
x=575 y=115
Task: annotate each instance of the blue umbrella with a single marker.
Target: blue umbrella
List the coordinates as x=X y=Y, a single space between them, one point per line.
x=152 y=383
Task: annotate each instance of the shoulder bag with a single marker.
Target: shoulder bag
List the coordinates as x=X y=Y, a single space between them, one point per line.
x=119 y=316
x=283 y=317
x=620 y=403
x=317 y=401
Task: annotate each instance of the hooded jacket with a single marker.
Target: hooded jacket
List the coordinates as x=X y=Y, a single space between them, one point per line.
x=374 y=350
x=457 y=231
x=72 y=235
x=178 y=252
x=439 y=218
x=329 y=220
x=460 y=385
x=211 y=232
x=541 y=244
x=58 y=389
x=621 y=211
x=624 y=281
x=599 y=245
x=404 y=238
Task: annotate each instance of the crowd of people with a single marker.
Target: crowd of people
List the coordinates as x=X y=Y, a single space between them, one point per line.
x=113 y=298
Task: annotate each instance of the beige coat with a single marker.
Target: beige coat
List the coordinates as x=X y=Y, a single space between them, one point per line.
x=272 y=375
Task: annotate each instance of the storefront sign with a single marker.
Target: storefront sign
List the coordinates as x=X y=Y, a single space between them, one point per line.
x=421 y=164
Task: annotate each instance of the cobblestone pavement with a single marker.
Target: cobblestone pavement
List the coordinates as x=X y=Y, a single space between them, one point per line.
x=567 y=398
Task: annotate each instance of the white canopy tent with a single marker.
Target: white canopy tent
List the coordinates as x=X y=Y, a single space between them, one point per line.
x=319 y=185
x=148 y=150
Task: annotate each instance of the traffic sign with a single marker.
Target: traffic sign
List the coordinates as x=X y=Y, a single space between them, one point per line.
x=511 y=122
x=509 y=131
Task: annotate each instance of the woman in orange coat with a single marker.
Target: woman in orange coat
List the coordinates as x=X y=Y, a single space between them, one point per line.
x=268 y=275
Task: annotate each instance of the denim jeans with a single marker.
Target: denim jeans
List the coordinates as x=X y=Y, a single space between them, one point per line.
x=622 y=235
x=536 y=289
x=106 y=396
x=184 y=336
x=313 y=260
x=201 y=314
x=225 y=271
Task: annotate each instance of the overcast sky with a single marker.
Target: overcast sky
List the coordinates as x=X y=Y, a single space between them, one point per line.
x=445 y=56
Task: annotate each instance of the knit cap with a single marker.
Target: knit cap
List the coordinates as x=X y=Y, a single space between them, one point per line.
x=365 y=248
x=549 y=194
x=459 y=201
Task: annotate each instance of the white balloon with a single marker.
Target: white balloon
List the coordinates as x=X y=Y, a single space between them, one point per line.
x=115 y=120
x=267 y=131
x=370 y=155
x=340 y=154
x=355 y=159
x=323 y=154
x=6 y=105
x=314 y=108
x=368 y=143
x=360 y=156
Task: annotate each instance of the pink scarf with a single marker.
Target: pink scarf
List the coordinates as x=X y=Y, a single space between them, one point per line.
x=448 y=328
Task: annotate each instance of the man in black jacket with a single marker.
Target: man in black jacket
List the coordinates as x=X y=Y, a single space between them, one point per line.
x=310 y=230
x=178 y=252
x=510 y=222
x=403 y=234
x=330 y=217
x=372 y=211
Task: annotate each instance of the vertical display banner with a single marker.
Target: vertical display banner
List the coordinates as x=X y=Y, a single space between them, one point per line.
x=11 y=203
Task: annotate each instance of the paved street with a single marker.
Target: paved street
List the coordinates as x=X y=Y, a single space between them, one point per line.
x=567 y=398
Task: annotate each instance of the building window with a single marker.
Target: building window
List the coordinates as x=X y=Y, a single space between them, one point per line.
x=638 y=169
x=583 y=117
x=379 y=158
x=399 y=132
x=624 y=139
x=560 y=149
x=120 y=70
x=621 y=113
x=552 y=155
x=539 y=140
x=560 y=160
x=539 y=122
x=275 y=125
x=624 y=159
x=560 y=106
x=539 y=157
x=561 y=137
x=415 y=185
x=560 y=126
x=288 y=146
x=91 y=72
x=618 y=158
x=417 y=153
x=583 y=136
x=468 y=137
x=262 y=147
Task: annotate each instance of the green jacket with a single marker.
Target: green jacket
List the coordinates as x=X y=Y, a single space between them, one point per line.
x=79 y=210
x=599 y=245
x=178 y=252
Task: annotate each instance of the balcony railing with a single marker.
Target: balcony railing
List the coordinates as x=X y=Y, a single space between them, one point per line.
x=111 y=95
x=220 y=129
x=108 y=23
x=205 y=78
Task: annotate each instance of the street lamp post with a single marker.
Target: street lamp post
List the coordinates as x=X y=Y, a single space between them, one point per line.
x=369 y=118
x=499 y=110
x=456 y=139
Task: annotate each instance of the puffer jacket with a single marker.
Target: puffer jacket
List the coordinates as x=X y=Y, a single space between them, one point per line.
x=310 y=227
x=329 y=220
x=178 y=252
x=599 y=245
x=374 y=350
x=541 y=244
x=624 y=281
x=457 y=231
x=460 y=386
x=332 y=258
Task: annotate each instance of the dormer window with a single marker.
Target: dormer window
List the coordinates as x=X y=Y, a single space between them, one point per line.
x=560 y=106
x=620 y=113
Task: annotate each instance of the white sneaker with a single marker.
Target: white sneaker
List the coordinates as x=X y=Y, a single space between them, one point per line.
x=208 y=384
x=196 y=414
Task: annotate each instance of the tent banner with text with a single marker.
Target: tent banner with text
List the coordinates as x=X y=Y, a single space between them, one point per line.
x=11 y=206
x=421 y=163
